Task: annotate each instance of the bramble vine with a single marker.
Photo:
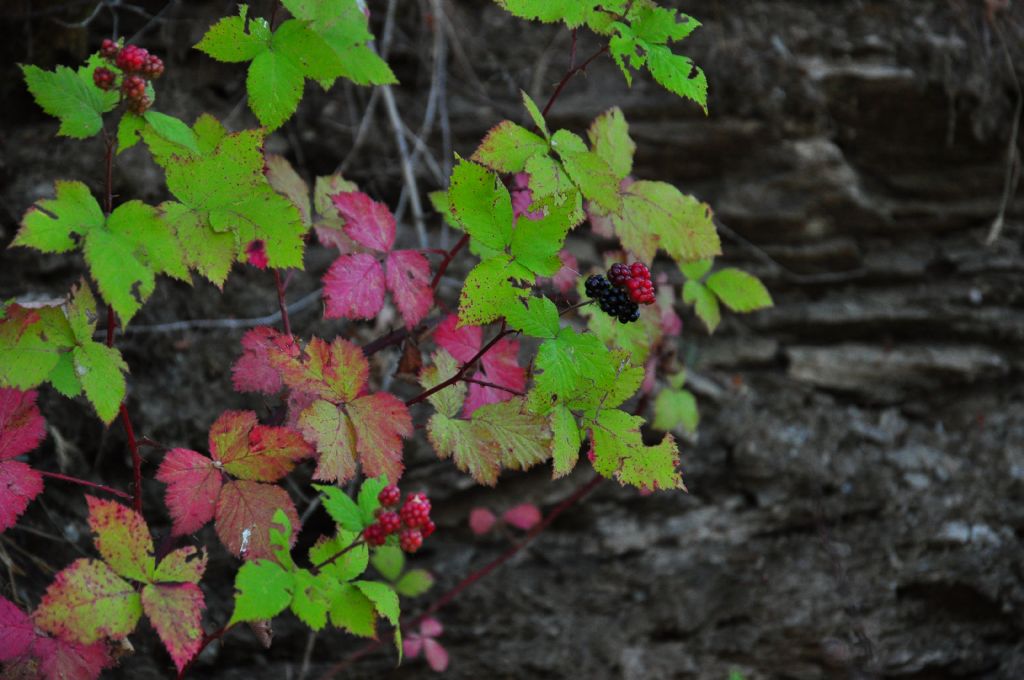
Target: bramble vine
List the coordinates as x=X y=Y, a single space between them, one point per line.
x=515 y=200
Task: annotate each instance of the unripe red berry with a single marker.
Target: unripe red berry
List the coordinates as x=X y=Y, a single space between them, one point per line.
x=140 y=105
x=418 y=498
x=131 y=58
x=390 y=522
x=428 y=528
x=153 y=68
x=104 y=78
x=389 y=496
x=410 y=540
x=134 y=87
x=108 y=48
x=415 y=514
x=374 y=535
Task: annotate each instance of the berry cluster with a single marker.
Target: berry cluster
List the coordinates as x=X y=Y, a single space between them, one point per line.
x=635 y=279
x=411 y=522
x=138 y=66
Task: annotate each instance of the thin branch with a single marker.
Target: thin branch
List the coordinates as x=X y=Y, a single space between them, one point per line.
x=461 y=373
x=496 y=386
x=82 y=482
x=330 y=560
x=443 y=267
x=408 y=173
x=568 y=76
x=1012 y=156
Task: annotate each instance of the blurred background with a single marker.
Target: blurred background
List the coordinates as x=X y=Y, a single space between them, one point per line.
x=856 y=485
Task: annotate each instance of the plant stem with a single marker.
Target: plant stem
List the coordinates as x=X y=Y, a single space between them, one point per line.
x=463 y=370
x=133 y=446
x=575 y=306
x=474 y=576
x=568 y=76
x=443 y=267
x=330 y=560
x=494 y=385
x=207 y=639
x=280 y=301
x=82 y=482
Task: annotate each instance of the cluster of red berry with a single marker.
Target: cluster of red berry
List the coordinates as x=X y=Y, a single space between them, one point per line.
x=411 y=522
x=137 y=65
x=635 y=280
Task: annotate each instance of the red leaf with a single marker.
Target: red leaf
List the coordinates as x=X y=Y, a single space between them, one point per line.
x=22 y=427
x=244 y=514
x=16 y=631
x=65 y=660
x=122 y=538
x=176 y=612
x=481 y=520
x=523 y=516
x=337 y=371
x=565 y=278
x=249 y=450
x=264 y=350
x=408 y=278
x=193 y=485
x=367 y=222
x=435 y=654
x=19 y=484
x=381 y=420
x=501 y=367
x=354 y=287
x=462 y=343
x=522 y=197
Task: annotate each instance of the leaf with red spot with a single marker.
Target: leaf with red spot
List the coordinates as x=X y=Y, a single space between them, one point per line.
x=248 y=450
x=16 y=631
x=408 y=279
x=88 y=601
x=245 y=511
x=336 y=371
x=184 y=565
x=176 y=612
x=263 y=350
x=354 y=287
x=122 y=538
x=193 y=485
x=367 y=222
x=500 y=365
x=22 y=428
x=380 y=420
x=65 y=660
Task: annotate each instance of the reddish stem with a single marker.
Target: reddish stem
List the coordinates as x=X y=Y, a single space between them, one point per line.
x=207 y=639
x=460 y=374
x=474 y=576
x=568 y=76
x=330 y=560
x=494 y=385
x=280 y=301
x=82 y=482
x=133 y=446
x=443 y=267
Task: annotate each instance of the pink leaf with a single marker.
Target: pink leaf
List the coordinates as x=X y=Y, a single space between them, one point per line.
x=122 y=538
x=22 y=427
x=380 y=420
x=249 y=450
x=264 y=349
x=245 y=511
x=650 y=375
x=16 y=631
x=565 y=278
x=436 y=655
x=408 y=277
x=65 y=660
x=412 y=645
x=462 y=343
x=354 y=287
x=19 y=484
x=523 y=516
x=176 y=612
x=501 y=367
x=431 y=627
x=522 y=197
x=367 y=222
x=193 y=485
x=481 y=520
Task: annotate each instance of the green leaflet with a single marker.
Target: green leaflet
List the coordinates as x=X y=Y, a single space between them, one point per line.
x=572 y=12
x=736 y=289
x=71 y=96
x=538 y=318
x=676 y=410
x=263 y=589
x=620 y=453
x=704 y=302
x=326 y=40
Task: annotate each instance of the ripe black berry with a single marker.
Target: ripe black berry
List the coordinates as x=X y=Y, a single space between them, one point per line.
x=596 y=285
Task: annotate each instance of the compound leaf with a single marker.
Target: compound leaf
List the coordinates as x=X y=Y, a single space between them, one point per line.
x=245 y=511
x=71 y=96
x=88 y=601
x=354 y=287
x=619 y=452
x=408 y=279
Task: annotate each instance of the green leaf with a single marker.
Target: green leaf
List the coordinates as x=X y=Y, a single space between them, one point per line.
x=171 y=129
x=565 y=440
x=414 y=583
x=508 y=146
x=738 y=290
x=227 y=40
x=368 y=501
x=609 y=137
x=449 y=400
x=678 y=74
x=538 y=318
x=676 y=410
x=492 y=288
x=122 y=538
x=353 y=611
x=535 y=114
x=660 y=24
x=347 y=567
x=384 y=599
x=72 y=97
x=536 y=243
x=33 y=344
x=341 y=507
x=275 y=79
x=480 y=203
x=389 y=561
x=572 y=12
x=50 y=223
x=705 y=304
x=620 y=453
x=696 y=270
x=128 y=130
x=313 y=597
x=101 y=371
x=548 y=178
x=263 y=589
x=87 y=601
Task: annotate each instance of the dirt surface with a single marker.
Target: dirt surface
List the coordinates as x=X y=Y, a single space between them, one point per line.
x=856 y=488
